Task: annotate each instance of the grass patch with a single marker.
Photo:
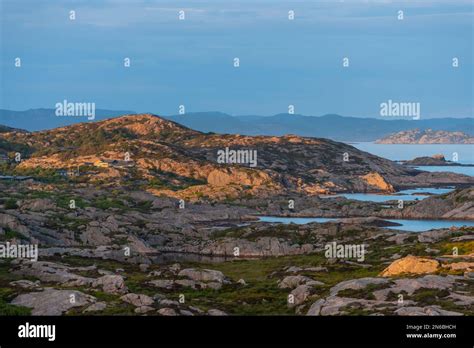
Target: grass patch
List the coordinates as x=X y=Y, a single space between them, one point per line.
x=11 y=204
x=11 y=234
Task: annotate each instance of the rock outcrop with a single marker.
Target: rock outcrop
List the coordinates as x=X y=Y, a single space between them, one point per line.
x=376 y=180
x=53 y=302
x=112 y=284
x=410 y=265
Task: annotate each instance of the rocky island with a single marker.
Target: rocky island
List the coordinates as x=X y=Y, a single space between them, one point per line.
x=428 y=136
x=435 y=160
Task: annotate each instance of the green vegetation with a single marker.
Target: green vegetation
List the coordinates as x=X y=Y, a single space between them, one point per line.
x=105 y=203
x=64 y=201
x=13 y=147
x=10 y=234
x=7 y=293
x=171 y=181
x=61 y=221
x=48 y=175
x=7 y=309
x=463 y=248
x=11 y=204
x=428 y=297
x=91 y=141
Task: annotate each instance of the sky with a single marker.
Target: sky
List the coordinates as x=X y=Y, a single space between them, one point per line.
x=283 y=62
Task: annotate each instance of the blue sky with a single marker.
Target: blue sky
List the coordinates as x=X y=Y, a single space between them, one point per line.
x=282 y=62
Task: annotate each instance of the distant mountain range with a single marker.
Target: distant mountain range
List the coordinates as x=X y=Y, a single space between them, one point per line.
x=336 y=127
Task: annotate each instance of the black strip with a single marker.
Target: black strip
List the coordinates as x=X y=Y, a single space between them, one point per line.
x=260 y=330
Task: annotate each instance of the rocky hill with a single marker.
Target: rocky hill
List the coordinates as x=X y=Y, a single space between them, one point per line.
x=456 y=205
x=428 y=136
x=166 y=158
x=5 y=129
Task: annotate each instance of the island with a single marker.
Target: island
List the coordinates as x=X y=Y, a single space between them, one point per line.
x=435 y=160
x=427 y=136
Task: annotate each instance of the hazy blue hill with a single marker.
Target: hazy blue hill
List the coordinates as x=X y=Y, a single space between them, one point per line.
x=40 y=119
x=336 y=127
x=331 y=126
x=214 y=121
x=4 y=129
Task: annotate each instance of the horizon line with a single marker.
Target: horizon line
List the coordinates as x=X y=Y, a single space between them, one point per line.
x=132 y=112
